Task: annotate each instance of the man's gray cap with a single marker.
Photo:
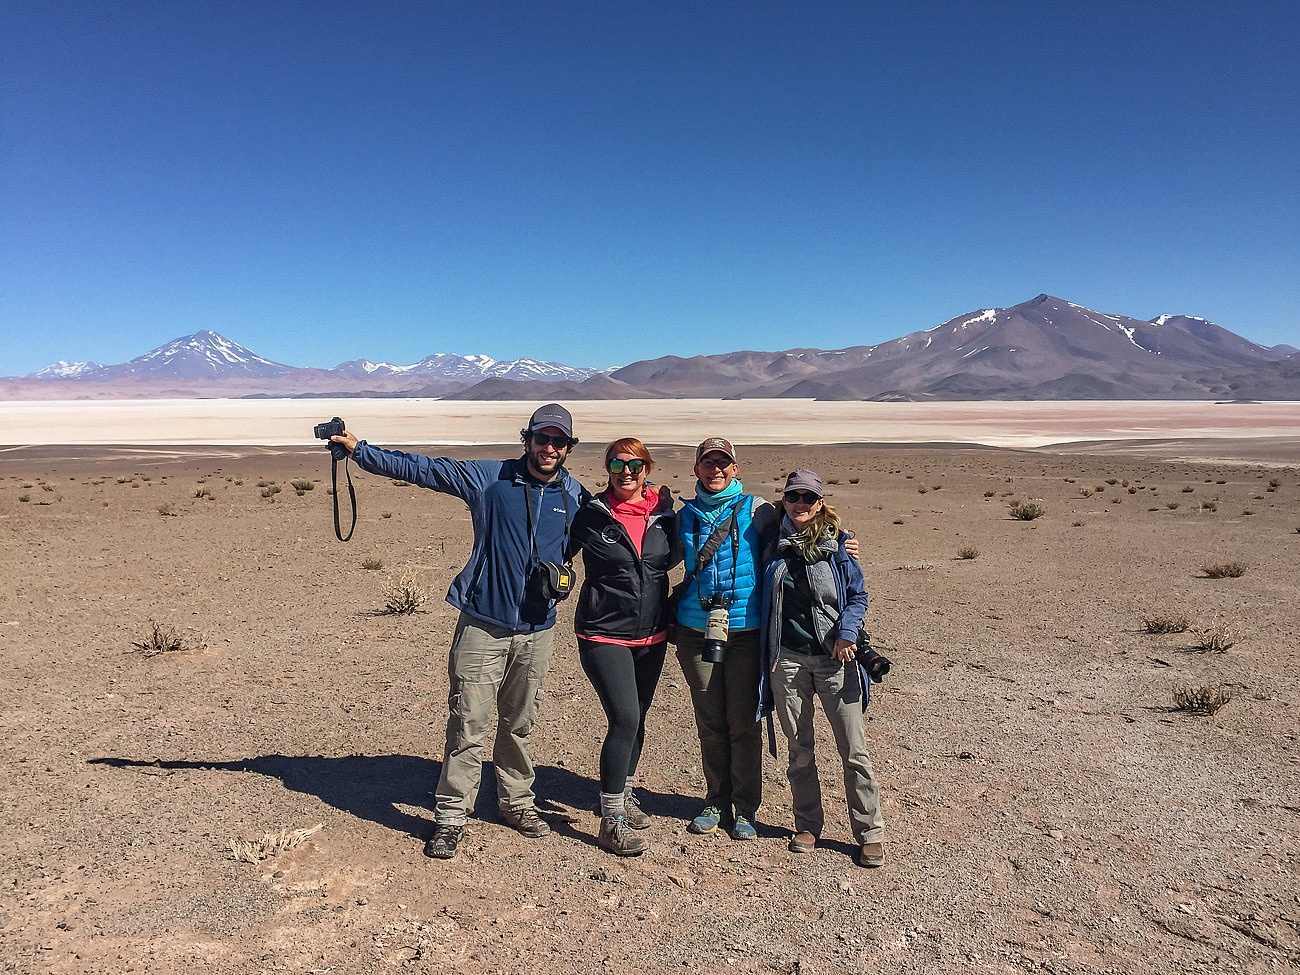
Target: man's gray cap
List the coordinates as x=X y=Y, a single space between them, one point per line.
x=552 y=415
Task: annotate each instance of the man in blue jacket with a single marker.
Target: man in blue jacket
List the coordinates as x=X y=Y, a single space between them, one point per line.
x=521 y=511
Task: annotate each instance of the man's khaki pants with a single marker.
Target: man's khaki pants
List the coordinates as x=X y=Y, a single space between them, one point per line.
x=491 y=668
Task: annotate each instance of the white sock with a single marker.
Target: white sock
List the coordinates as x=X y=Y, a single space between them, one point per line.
x=612 y=805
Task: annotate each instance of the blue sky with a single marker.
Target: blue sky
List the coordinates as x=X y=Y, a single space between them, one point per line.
x=596 y=183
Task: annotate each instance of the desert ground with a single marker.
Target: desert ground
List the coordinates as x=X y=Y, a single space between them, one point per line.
x=1048 y=806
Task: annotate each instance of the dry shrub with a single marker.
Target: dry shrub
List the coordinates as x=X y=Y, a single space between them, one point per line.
x=372 y=563
x=1201 y=700
x=25 y=498
x=270 y=491
x=405 y=595
x=1086 y=491
x=271 y=844
x=1027 y=510
x=968 y=552
x=1215 y=639
x=1166 y=623
x=301 y=485
x=202 y=493
x=162 y=639
x=1224 y=570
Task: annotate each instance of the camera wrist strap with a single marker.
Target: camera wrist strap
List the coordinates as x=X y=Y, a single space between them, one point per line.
x=352 y=496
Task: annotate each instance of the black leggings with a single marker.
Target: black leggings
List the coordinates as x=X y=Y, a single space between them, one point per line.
x=625 y=679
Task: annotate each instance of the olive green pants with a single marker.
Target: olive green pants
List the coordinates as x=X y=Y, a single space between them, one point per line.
x=725 y=697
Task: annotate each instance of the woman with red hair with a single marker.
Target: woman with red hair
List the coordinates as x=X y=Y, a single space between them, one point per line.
x=629 y=539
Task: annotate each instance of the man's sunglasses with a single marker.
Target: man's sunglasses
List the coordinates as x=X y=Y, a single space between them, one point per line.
x=804 y=497
x=546 y=439
x=616 y=466
x=721 y=463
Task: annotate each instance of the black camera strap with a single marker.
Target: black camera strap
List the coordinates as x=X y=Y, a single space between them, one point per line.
x=533 y=527
x=352 y=494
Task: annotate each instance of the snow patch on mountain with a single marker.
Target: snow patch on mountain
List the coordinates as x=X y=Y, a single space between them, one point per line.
x=66 y=370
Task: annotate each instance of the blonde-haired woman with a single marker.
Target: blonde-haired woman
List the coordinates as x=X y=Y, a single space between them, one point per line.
x=814 y=600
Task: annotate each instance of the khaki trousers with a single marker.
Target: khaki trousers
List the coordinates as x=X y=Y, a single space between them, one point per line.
x=725 y=697
x=491 y=668
x=796 y=680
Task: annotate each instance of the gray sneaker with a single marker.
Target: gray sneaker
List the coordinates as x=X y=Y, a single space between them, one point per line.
x=526 y=821
x=618 y=839
x=633 y=814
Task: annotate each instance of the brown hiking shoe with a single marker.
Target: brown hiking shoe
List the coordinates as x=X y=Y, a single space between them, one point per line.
x=871 y=855
x=618 y=839
x=526 y=821
x=803 y=842
x=633 y=814
x=446 y=837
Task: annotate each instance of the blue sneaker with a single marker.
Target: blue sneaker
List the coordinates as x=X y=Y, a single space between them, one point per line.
x=707 y=821
x=743 y=830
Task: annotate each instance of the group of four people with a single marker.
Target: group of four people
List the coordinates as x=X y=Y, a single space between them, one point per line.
x=766 y=619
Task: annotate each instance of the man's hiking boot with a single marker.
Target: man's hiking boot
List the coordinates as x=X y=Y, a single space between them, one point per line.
x=526 y=821
x=446 y=837
x=618 y=839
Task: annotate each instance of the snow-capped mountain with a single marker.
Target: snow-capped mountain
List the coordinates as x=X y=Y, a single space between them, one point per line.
x=67 y=370
x=203 y=355
x=447 y=365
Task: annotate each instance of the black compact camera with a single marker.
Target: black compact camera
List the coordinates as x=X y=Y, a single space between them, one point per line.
x=873 y=663
x=553 y=580
x=334 y=428
x=717 y=628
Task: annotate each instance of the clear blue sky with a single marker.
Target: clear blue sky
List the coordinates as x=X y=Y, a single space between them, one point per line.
x=600 y=182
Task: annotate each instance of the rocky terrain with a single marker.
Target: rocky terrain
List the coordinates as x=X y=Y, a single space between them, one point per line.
x=1048 y=807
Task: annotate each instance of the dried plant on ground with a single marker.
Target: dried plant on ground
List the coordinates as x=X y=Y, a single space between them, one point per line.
x=405 y=595
x=255 y=851
x=162 y=639
x=1215 y=639
x=372 y=563
x=1027 y=510
x=1224 y=570
x=1166 y=623
x=968 y=552
x=1201 y=700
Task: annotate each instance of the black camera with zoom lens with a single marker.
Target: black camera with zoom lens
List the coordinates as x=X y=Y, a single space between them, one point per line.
x=717 y=628
x=876 y=665
x=334 y=428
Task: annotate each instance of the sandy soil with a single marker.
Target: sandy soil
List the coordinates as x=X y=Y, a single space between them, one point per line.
x=781 y=421
x=1047 y=808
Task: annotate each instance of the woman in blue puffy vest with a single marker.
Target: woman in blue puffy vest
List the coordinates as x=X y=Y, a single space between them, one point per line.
x=723 y=674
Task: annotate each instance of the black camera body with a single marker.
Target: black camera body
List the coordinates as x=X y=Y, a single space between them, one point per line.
x=333 y=428
x=876 y=665
x=717 y=629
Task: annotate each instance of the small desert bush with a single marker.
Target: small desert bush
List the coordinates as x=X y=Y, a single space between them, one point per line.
x=989 y=494
x=1076 y=524
x=166 y=510
x=385 y=514
x=1027 y=510
x=255 y=851
x=372 y=563
x=161 y=639
x=1086 y=491
x=1188 y=490
x=302 y=485
x=899 y=521
x=832 y=480
x=1201 y=700
x=1215 y=639
x=1166 y=623
x=1112 y=481
x=854 y=480
x=1224 y=570
x=1171 y=505
x=397 y=483
x=25 y=498
x=202 y=493
x=405 y=595
x=922 y=489
x=270 y=491
x=968 y=552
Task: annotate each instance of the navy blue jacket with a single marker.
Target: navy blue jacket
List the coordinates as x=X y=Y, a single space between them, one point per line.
x=493 y=585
